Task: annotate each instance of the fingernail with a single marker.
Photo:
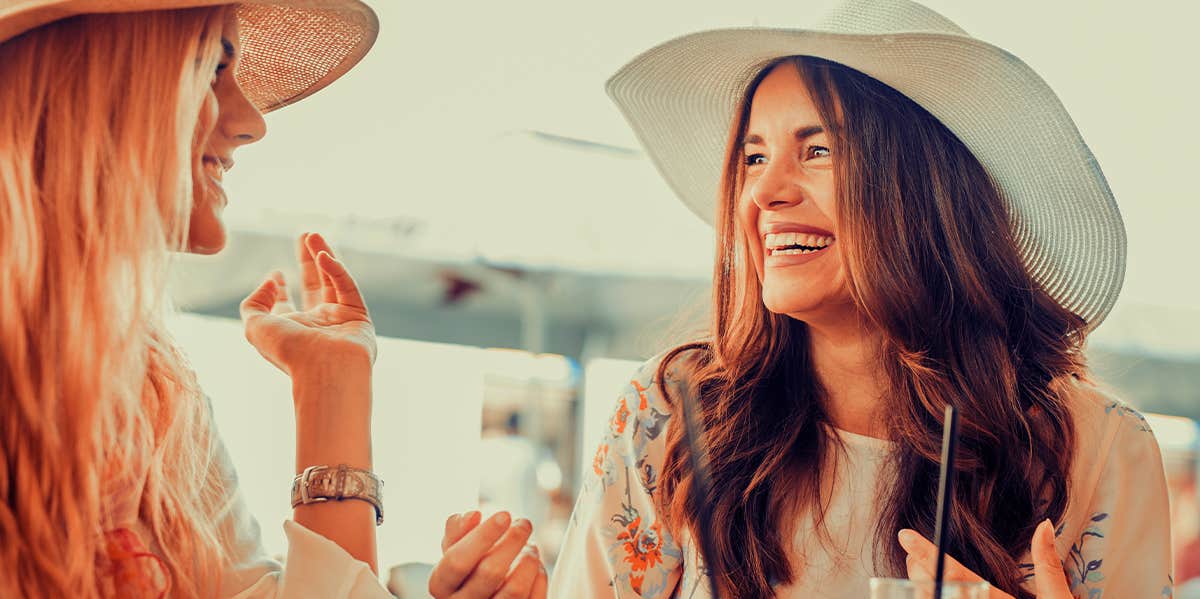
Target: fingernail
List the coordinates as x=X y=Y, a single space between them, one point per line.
x=523 y=524
x=536 y=552
x=1048 y=532
x=501 y=520
x=907 y=537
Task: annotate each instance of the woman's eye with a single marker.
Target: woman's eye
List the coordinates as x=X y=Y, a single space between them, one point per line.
x=220 y=69
x=754 y=159
x=818 y=152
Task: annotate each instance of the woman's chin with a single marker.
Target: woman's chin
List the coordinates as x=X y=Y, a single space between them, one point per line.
x=206 y=238
x=789 y=303
x=809 y=309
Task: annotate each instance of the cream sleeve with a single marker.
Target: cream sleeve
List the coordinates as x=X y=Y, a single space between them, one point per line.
x=1118 y=543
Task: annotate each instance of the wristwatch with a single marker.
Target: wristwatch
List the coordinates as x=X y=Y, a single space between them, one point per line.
x=318 y=484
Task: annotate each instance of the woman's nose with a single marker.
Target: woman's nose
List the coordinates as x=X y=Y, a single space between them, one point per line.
x=778 y=187
x=239 y=120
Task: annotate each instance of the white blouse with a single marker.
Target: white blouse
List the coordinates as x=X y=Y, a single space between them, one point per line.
x=1114 y=538
x=316 y=566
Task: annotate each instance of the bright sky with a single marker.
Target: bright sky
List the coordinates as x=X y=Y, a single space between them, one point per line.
x=429 y=127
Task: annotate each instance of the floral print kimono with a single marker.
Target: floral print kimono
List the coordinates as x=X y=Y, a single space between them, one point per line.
x=1114 y=539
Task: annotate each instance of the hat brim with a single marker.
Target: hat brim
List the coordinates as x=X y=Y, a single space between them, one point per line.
x=290 y=48
x=680 y=99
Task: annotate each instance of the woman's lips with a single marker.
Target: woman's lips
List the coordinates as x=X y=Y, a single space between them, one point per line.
x=215 y=171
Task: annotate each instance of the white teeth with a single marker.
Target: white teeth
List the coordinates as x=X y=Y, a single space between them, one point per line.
x=773 y=241
x=216 y=168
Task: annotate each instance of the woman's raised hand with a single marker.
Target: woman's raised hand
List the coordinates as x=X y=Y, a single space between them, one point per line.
x=1050 y=582
x=488 y=559
x=331 y=328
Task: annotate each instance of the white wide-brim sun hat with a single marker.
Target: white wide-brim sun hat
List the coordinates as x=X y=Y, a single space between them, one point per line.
x=681 y=96
x=290 y=48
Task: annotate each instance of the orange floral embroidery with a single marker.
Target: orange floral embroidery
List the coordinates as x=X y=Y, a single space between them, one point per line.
x=620 y=419
x=643 y=550
x=598 y=461
x=641 y=391
x=130 y=568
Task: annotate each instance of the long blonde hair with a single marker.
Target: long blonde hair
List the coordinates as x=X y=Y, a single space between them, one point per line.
x=98 y=118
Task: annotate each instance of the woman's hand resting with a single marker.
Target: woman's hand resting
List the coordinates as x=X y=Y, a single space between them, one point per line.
x=1049 y=579
x=489 y=559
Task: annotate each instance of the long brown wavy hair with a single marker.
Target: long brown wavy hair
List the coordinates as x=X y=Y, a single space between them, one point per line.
x=933 y=266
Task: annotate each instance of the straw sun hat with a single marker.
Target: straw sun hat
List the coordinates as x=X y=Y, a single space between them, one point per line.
x=290 y=48
x=680 y=98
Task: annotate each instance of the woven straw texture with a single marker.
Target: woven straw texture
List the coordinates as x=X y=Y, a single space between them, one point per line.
x=290 y=52
x=290 y=48
x=680 y=98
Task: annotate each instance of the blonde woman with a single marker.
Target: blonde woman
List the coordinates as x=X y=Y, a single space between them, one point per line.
x=116 y=130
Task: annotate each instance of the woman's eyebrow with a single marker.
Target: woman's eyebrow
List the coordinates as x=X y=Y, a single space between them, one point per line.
x=801 y=134
x=227 y=46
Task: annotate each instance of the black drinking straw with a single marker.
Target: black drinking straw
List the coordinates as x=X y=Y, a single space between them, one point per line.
x=700 y=492
x=945 y=490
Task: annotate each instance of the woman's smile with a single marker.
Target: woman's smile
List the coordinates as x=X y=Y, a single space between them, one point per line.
x=787 y=244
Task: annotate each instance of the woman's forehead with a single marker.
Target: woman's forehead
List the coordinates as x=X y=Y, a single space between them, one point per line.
x=782 y=99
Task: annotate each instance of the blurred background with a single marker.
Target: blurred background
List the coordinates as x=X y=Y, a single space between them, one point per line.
x=521 y=256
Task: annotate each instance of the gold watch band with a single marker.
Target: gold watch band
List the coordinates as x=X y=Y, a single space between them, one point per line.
x=318 y=484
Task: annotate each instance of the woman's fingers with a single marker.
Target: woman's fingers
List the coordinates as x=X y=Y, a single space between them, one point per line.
x=922 y=563
x=922 y=560
x=258 y=305
x=345 y=289
x=260 y=302
x=519 y=584
x=493 y=569
x=540 y=583
x=282 y=305
x=460 y=560
x=1048 y=576
x=317 y=244
x=310 y=276
x=457 y=527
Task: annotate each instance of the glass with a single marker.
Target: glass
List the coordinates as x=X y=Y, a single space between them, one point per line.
x=902 y=588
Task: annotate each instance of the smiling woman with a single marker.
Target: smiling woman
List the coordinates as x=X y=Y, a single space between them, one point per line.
x=227 y=120
x=788 y=201
x=906 y=218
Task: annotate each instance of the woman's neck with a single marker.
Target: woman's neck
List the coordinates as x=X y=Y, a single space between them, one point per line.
x=845 y=358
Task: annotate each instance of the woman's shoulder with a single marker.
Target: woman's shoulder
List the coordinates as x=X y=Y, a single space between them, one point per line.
x=1110 y=437
x=644 y=408
x=673 y=371
x=1100 y=416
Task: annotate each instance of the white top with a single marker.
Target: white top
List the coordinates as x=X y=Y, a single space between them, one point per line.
x=1114 y=539
x=839 y=563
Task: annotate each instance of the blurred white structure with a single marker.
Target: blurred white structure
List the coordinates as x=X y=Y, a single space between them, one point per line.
x=427 y=405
